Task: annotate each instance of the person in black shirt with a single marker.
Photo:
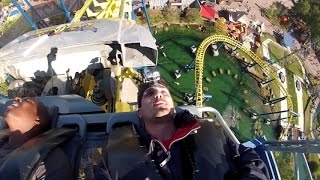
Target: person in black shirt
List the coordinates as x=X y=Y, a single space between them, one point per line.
x=28 y=118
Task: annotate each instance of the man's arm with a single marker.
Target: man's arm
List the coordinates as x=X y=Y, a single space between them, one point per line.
x=251 y=166
x=248 y=164
x=55 y=167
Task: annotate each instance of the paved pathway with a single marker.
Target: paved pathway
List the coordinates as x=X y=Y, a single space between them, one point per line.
x=254 y=12
x=299 y=97
x=265 y=48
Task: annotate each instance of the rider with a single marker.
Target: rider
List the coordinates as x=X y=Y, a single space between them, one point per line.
x=27 y=149
x=170 y=145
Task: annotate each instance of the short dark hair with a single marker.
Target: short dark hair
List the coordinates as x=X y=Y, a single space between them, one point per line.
x=145 y=86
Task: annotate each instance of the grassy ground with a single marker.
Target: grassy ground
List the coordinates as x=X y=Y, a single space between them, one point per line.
x=290 y=62
x=292 y=67
x=264 y=37
x=4 y=88
x=292 y=92
x=225 y=89
x=314 y=162
x=285 y=165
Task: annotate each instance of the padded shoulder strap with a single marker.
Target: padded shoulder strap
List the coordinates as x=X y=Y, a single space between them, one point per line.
x=212 y=151
x=126 y=157
x=4 y=135
x=23 y=161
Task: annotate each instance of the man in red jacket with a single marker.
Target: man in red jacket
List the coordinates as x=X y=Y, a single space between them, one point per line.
x=173 y=146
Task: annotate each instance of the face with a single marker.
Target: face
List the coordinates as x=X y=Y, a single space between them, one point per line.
x=22 y=114
x=156 y=102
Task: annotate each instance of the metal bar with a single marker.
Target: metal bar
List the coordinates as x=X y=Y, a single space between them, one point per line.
x=24 y=14
x=147 y=15
x=273 y=101
x=30 y=6
x=292 y=149
x=308 y=168
x=296 y=166
x=80 y=12
x=298 y=142
x=66 y=11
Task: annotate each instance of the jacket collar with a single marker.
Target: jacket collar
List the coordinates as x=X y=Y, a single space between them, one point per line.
x=182 y=132
x=185 y=123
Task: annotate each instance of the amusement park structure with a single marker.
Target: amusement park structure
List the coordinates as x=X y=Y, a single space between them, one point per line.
x=262 y=64
x=119 y=52
x=74 y=10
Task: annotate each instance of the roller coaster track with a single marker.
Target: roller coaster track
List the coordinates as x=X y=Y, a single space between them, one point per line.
x=264 y=66
x=108 y=9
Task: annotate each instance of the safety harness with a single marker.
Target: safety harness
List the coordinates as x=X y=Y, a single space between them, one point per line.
x=127 y=158
x=21 y=162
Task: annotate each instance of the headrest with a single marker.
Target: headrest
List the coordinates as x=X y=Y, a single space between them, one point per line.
x=4 y=104
x=53 y=114
x=123 y=117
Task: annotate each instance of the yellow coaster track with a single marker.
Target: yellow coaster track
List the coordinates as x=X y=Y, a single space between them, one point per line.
x=108 y=9
x=264 y=66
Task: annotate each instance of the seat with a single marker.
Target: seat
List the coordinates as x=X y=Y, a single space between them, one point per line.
x=74 y=146
x=71 y=147
x=124 y=117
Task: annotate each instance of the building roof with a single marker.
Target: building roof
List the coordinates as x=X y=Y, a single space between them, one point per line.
x=207 y=12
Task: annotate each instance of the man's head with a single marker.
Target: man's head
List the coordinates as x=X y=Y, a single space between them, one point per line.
x=154 y=100
x=25 y=114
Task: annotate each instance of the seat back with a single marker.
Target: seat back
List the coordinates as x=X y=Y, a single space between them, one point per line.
x=123 y=117
x=74 y=146
x=73 y=149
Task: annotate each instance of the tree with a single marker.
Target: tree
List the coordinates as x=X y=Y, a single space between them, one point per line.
x=5 y=3
x=302 y=8
x=315 y=22
x=170 y=14
x=4 y=86
x=314 y=165
x=156 y=16
x=219 y=27
x=192 y=15
x=309 y=12
x=285 y=165
x=56 y=20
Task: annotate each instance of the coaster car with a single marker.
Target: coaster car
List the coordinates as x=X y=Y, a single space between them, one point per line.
x=93 y=125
